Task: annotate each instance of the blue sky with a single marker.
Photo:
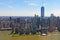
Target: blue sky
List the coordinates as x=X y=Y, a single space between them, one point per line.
x=29 y=7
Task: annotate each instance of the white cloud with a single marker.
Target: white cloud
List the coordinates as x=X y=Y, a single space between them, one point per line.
x=32 y=4
x=26 y=1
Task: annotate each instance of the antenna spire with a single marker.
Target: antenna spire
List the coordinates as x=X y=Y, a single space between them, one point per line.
x=43 y=3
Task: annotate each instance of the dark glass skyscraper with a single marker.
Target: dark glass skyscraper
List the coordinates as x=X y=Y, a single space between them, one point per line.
x=43 y=22
x=42 y=12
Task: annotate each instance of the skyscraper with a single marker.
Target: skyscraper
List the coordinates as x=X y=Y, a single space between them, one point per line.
x=43 y=22
x=42 y=11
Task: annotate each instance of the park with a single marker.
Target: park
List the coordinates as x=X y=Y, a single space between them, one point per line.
x=5 y=35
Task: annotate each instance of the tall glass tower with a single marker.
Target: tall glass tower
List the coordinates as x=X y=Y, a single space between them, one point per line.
x=42 y=11
x=43 y=22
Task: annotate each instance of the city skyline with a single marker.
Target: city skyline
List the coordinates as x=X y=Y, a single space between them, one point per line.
x=29 y=7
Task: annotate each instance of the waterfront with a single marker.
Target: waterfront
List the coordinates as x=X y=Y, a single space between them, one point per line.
x=4 y=35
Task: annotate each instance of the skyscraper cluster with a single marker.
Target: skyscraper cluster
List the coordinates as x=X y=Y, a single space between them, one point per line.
x=33 y=25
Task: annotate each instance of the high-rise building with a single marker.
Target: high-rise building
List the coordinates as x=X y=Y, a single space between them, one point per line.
x=42 y=11
x=43 y=22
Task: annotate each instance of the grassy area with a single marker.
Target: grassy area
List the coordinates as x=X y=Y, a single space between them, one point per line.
x=15 y=35
x=4 y=35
